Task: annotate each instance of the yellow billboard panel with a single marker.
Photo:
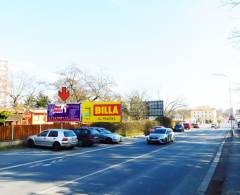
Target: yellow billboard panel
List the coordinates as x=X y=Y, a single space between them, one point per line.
x=101 y=112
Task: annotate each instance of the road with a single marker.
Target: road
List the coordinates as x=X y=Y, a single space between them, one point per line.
x=132 y=167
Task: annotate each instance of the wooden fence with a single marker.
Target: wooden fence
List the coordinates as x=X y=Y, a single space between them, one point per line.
x=20 y=132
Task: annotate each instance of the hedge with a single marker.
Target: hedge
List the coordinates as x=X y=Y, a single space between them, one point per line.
x=131 y=128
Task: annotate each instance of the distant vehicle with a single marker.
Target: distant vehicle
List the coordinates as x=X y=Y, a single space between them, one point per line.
x=214 y=126
x=86 y=136
x=161 y=135
x=56 y=138
x=155 y=127
x=195 y=125
x=179 y=128
x=187 y=126
x=107 y=136
x=238 y=124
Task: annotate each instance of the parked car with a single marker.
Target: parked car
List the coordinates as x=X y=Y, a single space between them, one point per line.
x=214 y=126
x=56 y=138
x=179 y=128
x=187 y=126
x=161 y=135
x=86 y=136
x=195 y=125
x=107 y=136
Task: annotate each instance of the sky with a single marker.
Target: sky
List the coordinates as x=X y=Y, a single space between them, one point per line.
x=169 y=49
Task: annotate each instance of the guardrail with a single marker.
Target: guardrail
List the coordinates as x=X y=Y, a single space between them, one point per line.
x=20 y=132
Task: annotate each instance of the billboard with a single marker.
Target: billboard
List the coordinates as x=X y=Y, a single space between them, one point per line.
x=155 y=108
x=101 y=112
x=63 y=113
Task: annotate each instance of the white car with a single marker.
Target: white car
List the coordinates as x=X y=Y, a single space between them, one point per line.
x=56 y=138
x=161 y=135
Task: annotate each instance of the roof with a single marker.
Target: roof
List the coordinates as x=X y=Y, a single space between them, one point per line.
x=203 y=108
x=14 y=117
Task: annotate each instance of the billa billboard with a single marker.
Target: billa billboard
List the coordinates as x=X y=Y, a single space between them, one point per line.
x=101 y=112
x=63 y=113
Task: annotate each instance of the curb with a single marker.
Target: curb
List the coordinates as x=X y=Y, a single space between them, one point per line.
x=207 y=179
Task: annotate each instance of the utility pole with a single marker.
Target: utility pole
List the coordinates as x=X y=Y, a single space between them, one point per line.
x=231 y=114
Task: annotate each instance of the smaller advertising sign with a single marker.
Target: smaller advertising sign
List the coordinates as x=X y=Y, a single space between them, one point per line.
x=101 y=112
x=63 y=113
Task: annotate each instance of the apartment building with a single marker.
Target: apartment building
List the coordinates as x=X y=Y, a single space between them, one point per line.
x=204 y=115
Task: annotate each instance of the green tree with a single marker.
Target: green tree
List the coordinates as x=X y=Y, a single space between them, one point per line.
x=30 y=101
x=138 y=107
x=3 y=116
x=42 y=100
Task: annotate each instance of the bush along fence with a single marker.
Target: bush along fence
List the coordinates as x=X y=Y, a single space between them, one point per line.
x=20 y=132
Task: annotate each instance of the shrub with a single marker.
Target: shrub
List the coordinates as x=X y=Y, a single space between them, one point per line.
x=165 y=121
x=130 y=128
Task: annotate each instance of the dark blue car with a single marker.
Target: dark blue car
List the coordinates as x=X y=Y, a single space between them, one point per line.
x=179 y=128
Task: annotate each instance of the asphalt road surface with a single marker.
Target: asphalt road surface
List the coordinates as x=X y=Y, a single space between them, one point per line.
x=133 y=167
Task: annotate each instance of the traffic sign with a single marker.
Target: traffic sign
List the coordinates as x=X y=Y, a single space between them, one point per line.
x=231 y=118
x=27 y=115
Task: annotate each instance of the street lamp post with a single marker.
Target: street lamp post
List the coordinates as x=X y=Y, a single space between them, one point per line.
x=231 y=118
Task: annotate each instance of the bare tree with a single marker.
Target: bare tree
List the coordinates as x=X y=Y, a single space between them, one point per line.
x=22 y=86
x=172 y=105
x=99 y=87
x=85 y=86
x=72 y=78
x=233 y=3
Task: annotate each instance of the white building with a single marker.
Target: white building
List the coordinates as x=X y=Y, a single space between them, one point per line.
x=204 y=114
x=3 y=83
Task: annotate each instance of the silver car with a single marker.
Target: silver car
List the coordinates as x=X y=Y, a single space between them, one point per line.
x=56 y=138
x=161 y=135
x=107 y=136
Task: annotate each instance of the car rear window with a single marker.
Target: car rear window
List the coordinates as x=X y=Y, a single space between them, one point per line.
x=69 y=134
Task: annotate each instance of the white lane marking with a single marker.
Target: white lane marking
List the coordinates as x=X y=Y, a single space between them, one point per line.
x=61 y=157
x=51 y=189
x=207 y=179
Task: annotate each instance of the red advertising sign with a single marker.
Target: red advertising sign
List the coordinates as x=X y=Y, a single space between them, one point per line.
x=107 y=109
x=64 y=94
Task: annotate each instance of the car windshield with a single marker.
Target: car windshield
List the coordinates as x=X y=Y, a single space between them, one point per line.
x=178 y=125
x=159 y=131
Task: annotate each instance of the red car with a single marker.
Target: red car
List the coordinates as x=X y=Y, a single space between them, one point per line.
x=187 y=126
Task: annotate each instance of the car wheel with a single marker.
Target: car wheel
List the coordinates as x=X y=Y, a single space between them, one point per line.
x=56 y=146
x=109 y=140
x=31 y=143
x=80 y=143
x=166 y=140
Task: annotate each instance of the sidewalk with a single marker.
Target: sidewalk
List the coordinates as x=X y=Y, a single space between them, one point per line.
x=226 y=179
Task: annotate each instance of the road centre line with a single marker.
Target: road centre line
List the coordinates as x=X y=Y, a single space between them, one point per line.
x=61 y=157
x=51 y=189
